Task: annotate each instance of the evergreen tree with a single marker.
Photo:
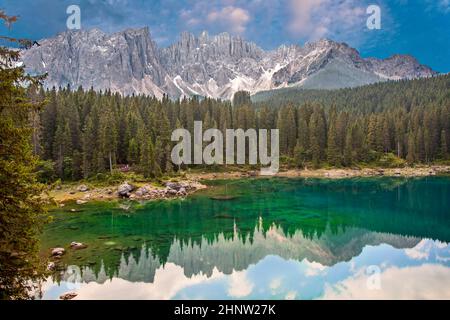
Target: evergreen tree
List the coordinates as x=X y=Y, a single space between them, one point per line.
x=334 y=157
x=412 y=155
x=300 y=155
x=349 y=147
x=444 y=145
x=22 y=210
x=241 y=98
x=318 y=135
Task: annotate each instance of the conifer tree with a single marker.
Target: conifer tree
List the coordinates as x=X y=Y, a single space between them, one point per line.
x=333 y=149
x=444 y=145
x=349 y=147
x=412 y=156
x=22 y=211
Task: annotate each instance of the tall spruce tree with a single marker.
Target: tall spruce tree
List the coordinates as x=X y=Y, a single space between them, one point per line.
x=21 y=206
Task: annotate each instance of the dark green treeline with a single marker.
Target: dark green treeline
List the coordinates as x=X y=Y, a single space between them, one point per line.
x=82 y=133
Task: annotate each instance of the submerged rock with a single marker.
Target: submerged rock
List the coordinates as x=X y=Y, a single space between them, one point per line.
x=51 y=266
x=78 y=245
x=81 y=202
x=223 y=198
x=58 y=251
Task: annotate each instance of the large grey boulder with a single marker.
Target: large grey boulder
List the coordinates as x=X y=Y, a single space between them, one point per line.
x=83 y=188
x=125 y=190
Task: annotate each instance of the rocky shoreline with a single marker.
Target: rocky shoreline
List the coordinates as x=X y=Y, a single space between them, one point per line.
x=369 y=172
x=423 y=171
x=82 y=194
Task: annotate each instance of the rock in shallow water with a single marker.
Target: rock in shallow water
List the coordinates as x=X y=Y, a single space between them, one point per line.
x=78 y=245
x=51 y=266
x=58 y=251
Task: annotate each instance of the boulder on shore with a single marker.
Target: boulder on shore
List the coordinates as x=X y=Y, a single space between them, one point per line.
x=172 y=192
x=83 y=188
x=125 y=190
x=142 y=191
x=174 y=185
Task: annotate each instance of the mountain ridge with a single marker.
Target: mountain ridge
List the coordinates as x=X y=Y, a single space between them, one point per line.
x=216 y=66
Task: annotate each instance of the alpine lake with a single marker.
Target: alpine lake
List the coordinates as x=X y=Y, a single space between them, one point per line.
x=261 y=238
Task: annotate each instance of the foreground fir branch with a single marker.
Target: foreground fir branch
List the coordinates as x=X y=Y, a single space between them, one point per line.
x=22 y=211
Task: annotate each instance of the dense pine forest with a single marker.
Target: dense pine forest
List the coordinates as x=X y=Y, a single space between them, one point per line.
x=82 y=134
x=368 y=99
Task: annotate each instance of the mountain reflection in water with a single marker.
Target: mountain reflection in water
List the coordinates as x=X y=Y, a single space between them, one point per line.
x=282 y=239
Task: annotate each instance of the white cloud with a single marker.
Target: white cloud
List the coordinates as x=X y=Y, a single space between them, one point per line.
x=444 y=5
x=234 y=18
x=427 y=281
x=291 y=295
x=169 y=280
x=313 y=268
x=440 y=5
x=239 y=285
x=314 y=19
x=303 y=12
x=424 y=249
x=275 y=284
x=421 y=251
x=189 y=17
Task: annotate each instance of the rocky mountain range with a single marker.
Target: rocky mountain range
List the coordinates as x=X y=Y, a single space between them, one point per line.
x=217 y=66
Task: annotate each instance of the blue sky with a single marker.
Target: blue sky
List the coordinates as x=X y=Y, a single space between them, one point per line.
x=417 y=27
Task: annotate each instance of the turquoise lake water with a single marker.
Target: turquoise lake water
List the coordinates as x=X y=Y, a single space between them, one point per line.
x=362 y=238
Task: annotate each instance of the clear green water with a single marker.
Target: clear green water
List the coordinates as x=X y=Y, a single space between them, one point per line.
x=272 y=239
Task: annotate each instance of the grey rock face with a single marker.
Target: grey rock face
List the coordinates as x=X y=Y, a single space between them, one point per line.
x=400 y=67
x=125 y=62
x=129 y=62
